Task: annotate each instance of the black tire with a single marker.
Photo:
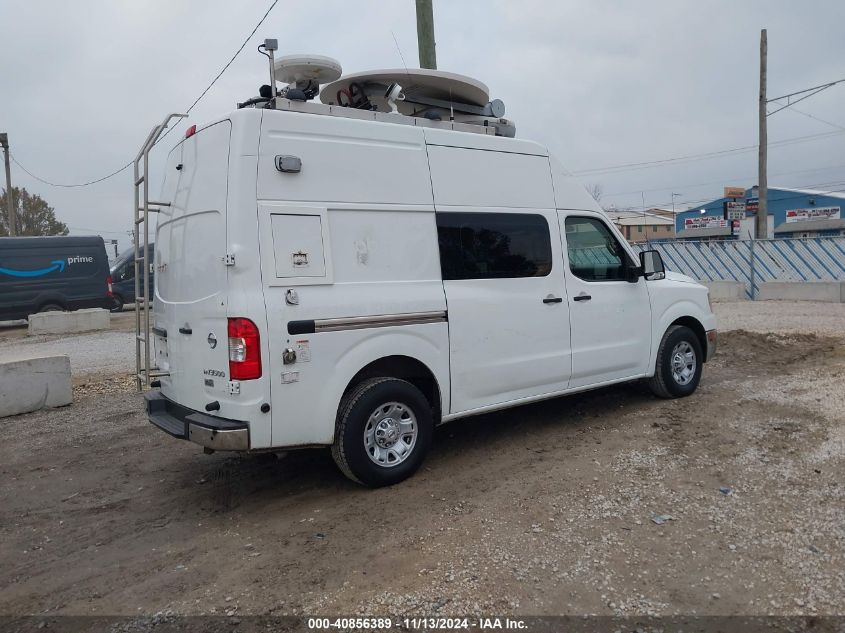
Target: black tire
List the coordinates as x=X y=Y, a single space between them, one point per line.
x=357 y=407
x=117 y=302
x=51 y=307
x=667 y=384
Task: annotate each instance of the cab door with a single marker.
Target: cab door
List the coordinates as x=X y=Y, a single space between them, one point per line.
x=610 y=316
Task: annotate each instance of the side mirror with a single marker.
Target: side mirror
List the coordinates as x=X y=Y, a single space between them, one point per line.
x=651 y=264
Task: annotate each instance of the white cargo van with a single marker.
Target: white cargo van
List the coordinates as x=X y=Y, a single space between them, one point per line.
x=341 y=276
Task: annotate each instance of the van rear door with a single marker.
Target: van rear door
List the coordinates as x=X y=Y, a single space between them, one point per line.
x=190 y=270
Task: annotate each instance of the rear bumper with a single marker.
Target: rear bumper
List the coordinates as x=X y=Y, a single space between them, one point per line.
x=181 y=422
x=711 y=344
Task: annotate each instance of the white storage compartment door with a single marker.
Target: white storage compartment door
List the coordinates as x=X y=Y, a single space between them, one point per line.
x=298 y=245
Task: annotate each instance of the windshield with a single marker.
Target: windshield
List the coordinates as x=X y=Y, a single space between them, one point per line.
x=126 y=258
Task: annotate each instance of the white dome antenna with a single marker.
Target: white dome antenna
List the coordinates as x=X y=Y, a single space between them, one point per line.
x=305 y=73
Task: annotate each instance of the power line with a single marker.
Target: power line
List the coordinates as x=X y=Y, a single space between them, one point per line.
x=68 y=186
x=811 y=116
x=188 y=111
x=703 y=156
x=715 y=182
x=694 y=204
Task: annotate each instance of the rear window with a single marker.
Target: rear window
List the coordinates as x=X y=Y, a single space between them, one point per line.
x=493 y=245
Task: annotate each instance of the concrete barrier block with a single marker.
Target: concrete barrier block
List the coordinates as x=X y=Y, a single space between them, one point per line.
x=69 y=322
x=726 y=290
x=826 y=291
x=30 y=384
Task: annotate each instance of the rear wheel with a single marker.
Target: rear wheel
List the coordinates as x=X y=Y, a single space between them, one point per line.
x=117 y=303
x=679 y=362
x=384 y=429
x=51 y=307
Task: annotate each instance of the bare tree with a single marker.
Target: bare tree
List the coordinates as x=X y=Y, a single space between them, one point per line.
x=596 y=190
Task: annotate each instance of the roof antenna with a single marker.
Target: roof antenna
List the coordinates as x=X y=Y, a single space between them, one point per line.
x=401 y=56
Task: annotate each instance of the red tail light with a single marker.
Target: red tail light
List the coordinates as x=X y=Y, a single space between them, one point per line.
x=110 y=291
x=244 y=350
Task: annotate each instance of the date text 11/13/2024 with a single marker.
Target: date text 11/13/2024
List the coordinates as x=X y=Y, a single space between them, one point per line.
x=419 y=623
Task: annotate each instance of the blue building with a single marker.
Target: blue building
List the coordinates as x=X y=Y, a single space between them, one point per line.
x=792 y=213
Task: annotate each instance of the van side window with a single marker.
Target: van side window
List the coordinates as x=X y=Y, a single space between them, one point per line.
x=127 y=272
x=493 y=245
x=593 y=251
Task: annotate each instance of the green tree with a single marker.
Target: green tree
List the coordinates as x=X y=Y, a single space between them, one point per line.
x=34 y=215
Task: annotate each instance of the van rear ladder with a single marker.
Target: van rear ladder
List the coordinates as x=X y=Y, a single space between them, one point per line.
x=144 y=372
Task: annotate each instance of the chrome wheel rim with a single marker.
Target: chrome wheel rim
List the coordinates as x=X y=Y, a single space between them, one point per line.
x=683 y=363
x=390 y=434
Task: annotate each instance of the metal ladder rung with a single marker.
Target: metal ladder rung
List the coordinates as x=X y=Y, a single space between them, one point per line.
x=143 y=359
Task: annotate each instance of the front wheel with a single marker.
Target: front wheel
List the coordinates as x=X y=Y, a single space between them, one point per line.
x=679 y=362
x=384 y=430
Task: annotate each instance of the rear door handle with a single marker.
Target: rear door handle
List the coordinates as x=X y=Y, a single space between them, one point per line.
x=551 y=299
x=582 y=297
x=185 y=330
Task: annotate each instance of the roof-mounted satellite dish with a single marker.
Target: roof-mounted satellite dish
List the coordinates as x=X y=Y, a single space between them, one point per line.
x=421 y=93
x=302 y=70
x=415 y=82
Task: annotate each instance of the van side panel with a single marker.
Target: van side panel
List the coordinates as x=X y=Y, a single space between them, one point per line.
x=509 y=333
x=352 y=236
x=478 y=178
x=69 y=272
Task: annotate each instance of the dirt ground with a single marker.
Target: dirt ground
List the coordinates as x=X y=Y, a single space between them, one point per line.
x=731 y=501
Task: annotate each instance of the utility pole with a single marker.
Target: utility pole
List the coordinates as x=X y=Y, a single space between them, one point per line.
x=425 y=34
x=762 y=177
x=10 y=197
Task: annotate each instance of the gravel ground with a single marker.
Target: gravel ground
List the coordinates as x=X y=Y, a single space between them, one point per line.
x=92 y=353
x=729 y=502
x=782 y=316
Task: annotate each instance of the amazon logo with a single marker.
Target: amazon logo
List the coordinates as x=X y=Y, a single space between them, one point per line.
x=56 y=265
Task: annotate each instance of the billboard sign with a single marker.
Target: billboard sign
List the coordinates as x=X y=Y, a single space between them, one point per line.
x=752 y=204
x=814 y=213
x=705 y=222
x=734 y=192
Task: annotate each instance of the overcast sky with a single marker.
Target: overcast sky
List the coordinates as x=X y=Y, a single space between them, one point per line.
x=600 y=83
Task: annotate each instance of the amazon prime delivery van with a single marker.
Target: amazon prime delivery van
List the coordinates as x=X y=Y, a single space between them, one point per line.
x=123 y=279
x=38 y=274
x=351 y=273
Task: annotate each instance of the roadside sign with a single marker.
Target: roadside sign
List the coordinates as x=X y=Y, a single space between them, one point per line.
x=734 y=210
x=815 y=213
x=735 y=227
x=734 y=192
x=705 y=222
x=752 y=204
